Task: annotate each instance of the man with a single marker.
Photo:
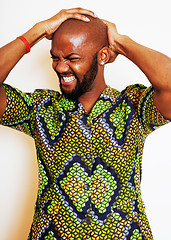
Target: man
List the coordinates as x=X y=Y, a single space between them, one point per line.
x=89 y=140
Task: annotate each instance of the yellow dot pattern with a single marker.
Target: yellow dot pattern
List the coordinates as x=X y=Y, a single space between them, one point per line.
x=90 y=165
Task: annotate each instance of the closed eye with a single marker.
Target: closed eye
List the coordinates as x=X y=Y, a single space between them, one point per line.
x=74 y=59
x=55 y=58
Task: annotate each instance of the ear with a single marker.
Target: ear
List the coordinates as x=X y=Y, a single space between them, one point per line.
x=103 y=56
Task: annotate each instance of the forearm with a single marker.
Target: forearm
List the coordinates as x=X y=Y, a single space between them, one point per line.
x=11 y=53
x=14 y=51
x=155 y=65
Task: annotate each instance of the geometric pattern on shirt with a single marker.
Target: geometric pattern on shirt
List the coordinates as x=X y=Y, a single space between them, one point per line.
x=117 y=119
x=62 y=129
x=102 y=188
x=51 y=126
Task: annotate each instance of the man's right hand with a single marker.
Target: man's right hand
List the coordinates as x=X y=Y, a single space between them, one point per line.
x=11 y=53
x=51 y=25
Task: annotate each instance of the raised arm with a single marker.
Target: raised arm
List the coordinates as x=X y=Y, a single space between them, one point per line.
x=11 y=53
x=155 y=65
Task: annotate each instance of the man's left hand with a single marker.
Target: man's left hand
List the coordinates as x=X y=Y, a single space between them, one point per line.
x=112 y=36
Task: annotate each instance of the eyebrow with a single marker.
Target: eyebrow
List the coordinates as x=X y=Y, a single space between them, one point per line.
x=52 y=54
x=69 y=55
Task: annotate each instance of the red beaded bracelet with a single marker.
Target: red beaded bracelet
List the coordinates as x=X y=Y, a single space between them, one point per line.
x=26 y=43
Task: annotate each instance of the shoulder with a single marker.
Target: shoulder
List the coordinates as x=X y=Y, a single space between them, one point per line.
x=41 y=94
x=135 y=93
x=37 y=95
x=138 y=93
x=135 y=89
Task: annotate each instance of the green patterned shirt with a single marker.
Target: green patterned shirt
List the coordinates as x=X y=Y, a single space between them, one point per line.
x=89 y=164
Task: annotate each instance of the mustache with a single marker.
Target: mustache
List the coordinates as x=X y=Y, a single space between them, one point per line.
x=64 y=74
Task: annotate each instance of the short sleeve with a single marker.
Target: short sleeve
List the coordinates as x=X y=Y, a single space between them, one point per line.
x=149 y=116
x=19 y=110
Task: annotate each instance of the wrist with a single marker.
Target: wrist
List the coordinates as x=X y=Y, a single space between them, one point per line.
x=26 y=43
x=35 y=34
x=120 y=44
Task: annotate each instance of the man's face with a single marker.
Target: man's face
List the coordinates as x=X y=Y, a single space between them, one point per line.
x=75 y=64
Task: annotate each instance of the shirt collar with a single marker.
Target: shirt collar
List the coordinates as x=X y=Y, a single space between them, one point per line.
x=104 y=102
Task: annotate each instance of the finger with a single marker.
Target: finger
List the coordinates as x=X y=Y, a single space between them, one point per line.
x=79 y=17
x=49 y=37
x=82 y=11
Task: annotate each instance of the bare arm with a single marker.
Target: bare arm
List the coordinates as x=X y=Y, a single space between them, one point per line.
x=155 y=65
x=11 y=53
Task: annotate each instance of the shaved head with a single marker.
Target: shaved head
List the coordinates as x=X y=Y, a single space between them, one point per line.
x=78 y=49
x=95 y=31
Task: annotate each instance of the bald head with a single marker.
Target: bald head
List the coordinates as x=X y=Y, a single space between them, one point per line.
x=94 y=32
x=79 y=51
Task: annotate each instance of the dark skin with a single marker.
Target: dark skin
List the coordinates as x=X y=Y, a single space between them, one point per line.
x=84 y=44
x=11 y=53
x=73 y=52
x=155 y=65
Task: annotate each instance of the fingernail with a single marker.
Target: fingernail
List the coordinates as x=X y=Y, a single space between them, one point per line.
x=87 y=19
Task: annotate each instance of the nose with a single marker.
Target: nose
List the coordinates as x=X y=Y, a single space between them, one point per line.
x=61 y=66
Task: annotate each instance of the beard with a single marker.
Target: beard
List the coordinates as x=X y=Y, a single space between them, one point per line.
x=85 y=85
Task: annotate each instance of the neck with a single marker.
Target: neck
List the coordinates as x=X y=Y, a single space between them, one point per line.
x=89 y=98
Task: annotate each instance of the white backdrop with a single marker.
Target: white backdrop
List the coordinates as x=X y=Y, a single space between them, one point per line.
x=147 y=22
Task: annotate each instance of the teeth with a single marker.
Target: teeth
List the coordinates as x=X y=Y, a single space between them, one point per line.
x=68 y=79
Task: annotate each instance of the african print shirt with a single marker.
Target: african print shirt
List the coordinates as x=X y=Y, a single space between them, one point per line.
x=89 y=164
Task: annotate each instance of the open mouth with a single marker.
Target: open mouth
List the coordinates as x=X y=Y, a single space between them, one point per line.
x=67 y=80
